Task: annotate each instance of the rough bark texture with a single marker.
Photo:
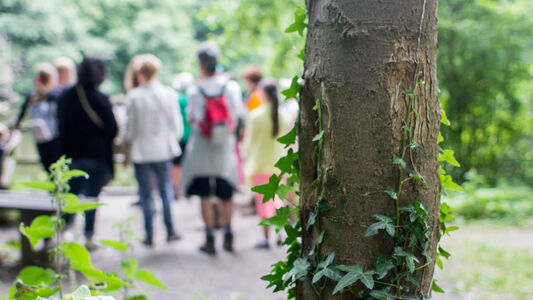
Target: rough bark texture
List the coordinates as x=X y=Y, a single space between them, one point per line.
x=361 y=56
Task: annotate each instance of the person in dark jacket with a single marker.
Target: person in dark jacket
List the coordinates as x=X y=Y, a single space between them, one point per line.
x=87 y=128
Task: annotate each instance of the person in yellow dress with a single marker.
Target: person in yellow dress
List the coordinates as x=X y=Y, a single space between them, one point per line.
x=264 y=126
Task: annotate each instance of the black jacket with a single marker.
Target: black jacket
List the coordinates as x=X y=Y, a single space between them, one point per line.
x=79 y=136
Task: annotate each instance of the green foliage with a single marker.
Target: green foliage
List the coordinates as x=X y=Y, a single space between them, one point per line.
x=41 y=227
x=484 y=61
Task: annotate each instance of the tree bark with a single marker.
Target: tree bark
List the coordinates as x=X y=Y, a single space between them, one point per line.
x=361 y=56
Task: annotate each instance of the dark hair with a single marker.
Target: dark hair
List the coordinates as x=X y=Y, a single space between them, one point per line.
x=271 y=92
x=91 y=71
x=208 y=53
x=252 y=73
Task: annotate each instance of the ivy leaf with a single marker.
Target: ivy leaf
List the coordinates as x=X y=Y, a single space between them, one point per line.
x=43 y=186
x=412 y=279
x=444 y=253
x=328 y=261
x=41 y=227
x=354 y=274
x=383 y=266
x=381 y=295
x=320 y=237
x=289 y=138
x=311 y=220
x=299 y=270
x=418 y=177
x=413 y=145
x=399 y=161
x=384 y=222
x=440 y=139
x=268 y=190
x=447 y=155
x=450 y=229
x=280 y=219
x=322 y=205
x=301 y=55
x=447 y=183
x=443 y=119
x=117 y=245
x=439 y=263
x=329 y=272
x=285 y=163
x=319 y=136
x=407 y=256
x=294 y=89
x=148 y=277
x=436 y=288
x=299 y=22
x=391 y=193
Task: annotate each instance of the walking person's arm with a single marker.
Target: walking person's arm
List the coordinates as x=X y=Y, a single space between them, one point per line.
x=130 y=130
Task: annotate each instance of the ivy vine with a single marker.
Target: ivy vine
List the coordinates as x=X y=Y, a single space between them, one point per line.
x=408 y=227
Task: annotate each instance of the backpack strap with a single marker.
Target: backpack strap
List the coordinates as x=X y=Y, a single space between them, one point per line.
x=204 y=94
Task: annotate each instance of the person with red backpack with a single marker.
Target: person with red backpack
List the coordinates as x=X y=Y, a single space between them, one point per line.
x=210 y=165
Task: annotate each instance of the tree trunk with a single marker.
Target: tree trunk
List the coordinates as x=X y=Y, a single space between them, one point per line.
x=361 y=58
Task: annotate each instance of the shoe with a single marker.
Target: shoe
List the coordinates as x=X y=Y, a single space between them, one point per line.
x=173 y=236
x=228 y=242
x=91 y=245
x=148 y=241
x=209 y=246
x=262 y=245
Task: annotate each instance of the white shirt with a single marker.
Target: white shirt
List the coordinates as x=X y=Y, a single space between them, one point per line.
x=154 y=123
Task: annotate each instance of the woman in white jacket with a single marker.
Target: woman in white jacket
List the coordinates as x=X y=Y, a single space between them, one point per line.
x=153 y=129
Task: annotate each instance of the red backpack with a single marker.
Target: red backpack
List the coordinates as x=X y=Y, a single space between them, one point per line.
x=217 y=120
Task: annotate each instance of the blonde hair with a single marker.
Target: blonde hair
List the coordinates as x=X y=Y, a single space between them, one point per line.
x=147 y=64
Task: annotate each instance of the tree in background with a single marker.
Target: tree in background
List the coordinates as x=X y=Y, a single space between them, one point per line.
x=484 y=60
x=370 y=117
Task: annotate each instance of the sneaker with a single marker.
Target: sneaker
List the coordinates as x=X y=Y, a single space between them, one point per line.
x=262 y=245
x=228 y=242
x=148 y=241
x=209 y=246
x=173 y=236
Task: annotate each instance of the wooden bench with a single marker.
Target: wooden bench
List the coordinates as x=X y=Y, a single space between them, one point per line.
x=30 y=205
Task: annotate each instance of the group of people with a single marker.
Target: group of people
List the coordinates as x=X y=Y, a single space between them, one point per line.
x=207 y=139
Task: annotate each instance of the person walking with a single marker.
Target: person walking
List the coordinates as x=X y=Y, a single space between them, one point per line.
x=41 y=105
x=153 y=128
x=264 y=126
x=87 y=128
x=210 y=165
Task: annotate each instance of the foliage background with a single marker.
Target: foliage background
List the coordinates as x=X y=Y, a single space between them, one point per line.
x=484 y=60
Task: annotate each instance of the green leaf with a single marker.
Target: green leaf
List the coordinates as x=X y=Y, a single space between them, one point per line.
x=320 y=237
x=147 y=277
x=299 y=270
x=381 y=295
x=301 y=55
x=311 y=220
x=34 y=275
x=447 y=183
x=384 y=222
x=439 y=263
x=41 y=227
x=129 y=267
x=391 y=193
x=283 y=190
x=443 y=119
x=418 y=177
x=77 y=254
x=413 y=145
x=450 y=229
x=444 y=253
x=289 y=138
x=81 y=292
x=447 y=155
x=412 y=279
x=299 y=22
x=280 y=219
x=328 y=261
x=70 y=198
x=399 y=161
x=319 y=136
x=355 y=273
x=440 y=139
x=112 y=283
x=43 y=186
x=345 y=281
x=81 y=207
x=117 y=245
x=409 y=258
x=322 y=205
x=286 y=162
x=436 y=288
x=294 y=89
x=136 y=297
x=268 y=190
x=65 y=177
x=383 y=266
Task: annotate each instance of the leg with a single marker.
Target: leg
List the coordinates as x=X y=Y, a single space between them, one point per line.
x=224 y=191
x=162 y=174
x=145 y=195
x=208 y=212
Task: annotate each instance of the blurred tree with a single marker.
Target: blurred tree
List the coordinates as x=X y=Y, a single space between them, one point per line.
x=483 y=59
